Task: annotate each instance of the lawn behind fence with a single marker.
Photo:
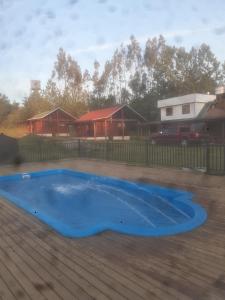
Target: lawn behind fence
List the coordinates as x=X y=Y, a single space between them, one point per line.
x=209 y=158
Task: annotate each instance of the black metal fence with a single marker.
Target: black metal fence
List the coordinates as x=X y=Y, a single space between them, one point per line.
x=208 y=158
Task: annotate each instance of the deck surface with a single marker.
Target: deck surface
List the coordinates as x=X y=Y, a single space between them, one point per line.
x=37 y=263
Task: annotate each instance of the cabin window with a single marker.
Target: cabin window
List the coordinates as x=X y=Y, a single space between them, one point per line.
x=169 y=111
x=186 y=109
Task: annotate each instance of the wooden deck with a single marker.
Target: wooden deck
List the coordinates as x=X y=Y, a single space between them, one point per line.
x=37 y=263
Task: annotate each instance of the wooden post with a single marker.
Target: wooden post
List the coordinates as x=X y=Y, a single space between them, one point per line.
x=31 y=127
x=105 y=124
x=123 y=125
x=57 y=122
x=111 y=129
x=94 y=131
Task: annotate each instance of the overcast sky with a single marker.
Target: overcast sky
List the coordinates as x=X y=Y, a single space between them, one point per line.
x=32 y=31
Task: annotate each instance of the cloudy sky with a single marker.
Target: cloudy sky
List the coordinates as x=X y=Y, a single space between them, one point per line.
x=32 y=31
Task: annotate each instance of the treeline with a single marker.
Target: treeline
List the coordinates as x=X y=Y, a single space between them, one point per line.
x=133 y=75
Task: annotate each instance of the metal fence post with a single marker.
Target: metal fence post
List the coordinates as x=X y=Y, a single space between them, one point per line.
x=224 y=159
x=146 y=153
x=78 y=147
x=207 y=158
x=107 y=150
x=40 y=151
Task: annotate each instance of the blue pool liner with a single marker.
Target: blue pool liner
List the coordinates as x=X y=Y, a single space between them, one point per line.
x=182 y=200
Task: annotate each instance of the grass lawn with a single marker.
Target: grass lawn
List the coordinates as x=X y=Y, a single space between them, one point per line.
x=15 y=132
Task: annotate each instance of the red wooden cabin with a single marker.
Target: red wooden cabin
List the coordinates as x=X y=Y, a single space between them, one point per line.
x=51 y=123
x=120 y=121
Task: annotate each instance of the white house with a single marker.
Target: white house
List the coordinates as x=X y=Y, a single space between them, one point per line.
x=183 y=107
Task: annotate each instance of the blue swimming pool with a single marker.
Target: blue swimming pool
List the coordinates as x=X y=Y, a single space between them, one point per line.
x=81 y=204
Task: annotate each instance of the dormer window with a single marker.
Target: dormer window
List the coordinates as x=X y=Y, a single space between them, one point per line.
x=186 y=109
x=169 y=111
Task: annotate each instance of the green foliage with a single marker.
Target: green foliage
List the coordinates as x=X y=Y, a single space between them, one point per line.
x=147 y=106
x=65 y=88
x=96 y=103
x=139 y=77
x=36 y=103
x=31 y=139
x=6 y=107
x=35 y=148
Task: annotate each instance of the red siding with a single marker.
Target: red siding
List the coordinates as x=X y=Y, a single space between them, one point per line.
x=58 y=122
x=123 y=123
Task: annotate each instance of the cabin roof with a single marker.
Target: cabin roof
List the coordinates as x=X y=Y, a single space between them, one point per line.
x=46 y=113
x=105 y=113
x=215 y=113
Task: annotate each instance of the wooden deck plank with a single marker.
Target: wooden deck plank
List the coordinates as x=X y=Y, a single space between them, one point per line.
x=61 y=257
x=13 y=284
x=66 y=284
x=48 y=284
x=16 y=269
x=5 y=292
x=110 y=265
x=131 y=283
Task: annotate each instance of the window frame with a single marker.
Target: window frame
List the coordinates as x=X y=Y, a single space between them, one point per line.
x=171 y=109
x=184 y=106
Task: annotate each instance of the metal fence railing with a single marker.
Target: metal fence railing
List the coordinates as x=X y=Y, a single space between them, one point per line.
x=209 y=158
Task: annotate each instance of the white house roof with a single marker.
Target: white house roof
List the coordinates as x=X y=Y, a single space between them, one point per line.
x=190 y=98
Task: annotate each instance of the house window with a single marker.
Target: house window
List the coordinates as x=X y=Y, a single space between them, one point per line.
x=169 y=111
x=185 y=109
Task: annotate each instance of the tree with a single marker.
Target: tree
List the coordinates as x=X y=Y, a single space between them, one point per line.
x=98 y=103
x=65 y=88
x=6 y=108
x=14 y=118
x=203 y=72
x=222 y=81
x=134 y=55
x=51 y=93
x=131 y=75
x=147 y=106
x=34 y=104
x=67 y=77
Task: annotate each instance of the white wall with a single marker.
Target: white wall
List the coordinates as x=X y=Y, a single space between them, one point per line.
x=195 y=109
x=196 y=101
x=191 y=98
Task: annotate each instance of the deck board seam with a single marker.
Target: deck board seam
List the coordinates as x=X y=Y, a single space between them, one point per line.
x=78 y=274
x=31 y=230
x=13 y=208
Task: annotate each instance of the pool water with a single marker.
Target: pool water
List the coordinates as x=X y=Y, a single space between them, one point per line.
x=80 y=204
